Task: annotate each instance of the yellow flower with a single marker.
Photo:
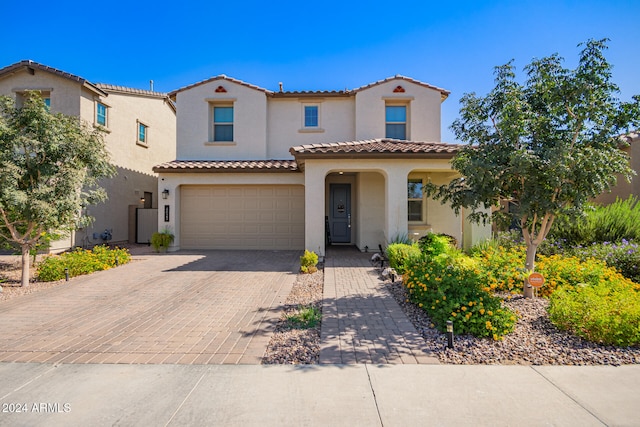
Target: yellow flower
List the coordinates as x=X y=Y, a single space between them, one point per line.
x=454 y=314
x=420 y=305
x=482 y=311
x=444 y=298
x=495 y=337
x=490 y=313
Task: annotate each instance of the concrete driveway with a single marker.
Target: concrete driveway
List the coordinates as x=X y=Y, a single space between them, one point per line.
x=213 y=307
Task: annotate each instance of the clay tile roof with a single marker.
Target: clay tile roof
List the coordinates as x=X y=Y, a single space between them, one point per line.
x=443 y=92
x=376 y=147
x=134 y=91
x=219 y=77
x=191 y=166
x=27 y=63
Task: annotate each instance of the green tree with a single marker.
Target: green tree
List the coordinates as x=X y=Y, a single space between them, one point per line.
x=544 y=148
x=49 y=168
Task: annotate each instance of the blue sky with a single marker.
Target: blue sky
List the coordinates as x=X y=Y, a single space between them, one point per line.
x=329 y=45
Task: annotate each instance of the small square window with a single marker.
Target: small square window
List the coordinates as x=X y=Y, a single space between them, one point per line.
x=143 y=133
x=47 y=103
x=101 y=114
x=223 y=123
x=396 y=122
x=311 y=116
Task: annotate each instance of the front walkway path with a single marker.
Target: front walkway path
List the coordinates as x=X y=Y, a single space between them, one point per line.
x=361 y=321
x=210 y=307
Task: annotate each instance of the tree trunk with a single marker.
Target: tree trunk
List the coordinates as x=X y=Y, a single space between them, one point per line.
x=25 y=265
x=532 y=248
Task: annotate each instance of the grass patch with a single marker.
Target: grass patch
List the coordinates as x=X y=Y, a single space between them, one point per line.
x=305 y=317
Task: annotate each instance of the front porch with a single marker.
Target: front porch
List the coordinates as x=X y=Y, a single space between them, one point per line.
x=366 y=203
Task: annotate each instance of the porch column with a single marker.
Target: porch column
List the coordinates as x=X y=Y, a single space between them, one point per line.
x=396 y=203
x=314 y=182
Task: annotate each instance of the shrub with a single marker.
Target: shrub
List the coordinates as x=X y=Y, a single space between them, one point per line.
x=433 y=244
x=402 y=255
x=308 y=262
x=305 y=318
x=571 y=271
x=162 y=239
x=449 y=287
x=623 y=256
x=607 y=313
x=611 y=223
x=80 y=262
x=502 y=269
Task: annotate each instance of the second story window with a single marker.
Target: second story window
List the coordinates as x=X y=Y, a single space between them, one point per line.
x=396 y=121
x=223 y=123
x=143 y=134
x=311 y=116
x=101 y=114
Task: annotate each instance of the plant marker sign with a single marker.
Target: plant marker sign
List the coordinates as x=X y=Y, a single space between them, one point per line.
x=536 y=280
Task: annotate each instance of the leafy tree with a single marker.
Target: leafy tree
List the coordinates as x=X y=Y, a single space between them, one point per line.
x=49 y=168
x=543 y=148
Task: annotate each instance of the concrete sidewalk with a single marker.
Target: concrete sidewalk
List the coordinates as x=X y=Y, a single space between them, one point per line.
x=320 y=395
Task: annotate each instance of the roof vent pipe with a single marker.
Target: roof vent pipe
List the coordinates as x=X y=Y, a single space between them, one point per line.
x=281 y=89
x=151 y=85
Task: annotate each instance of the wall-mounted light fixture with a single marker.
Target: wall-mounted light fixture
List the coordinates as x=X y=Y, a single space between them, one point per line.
x=141 y=199
x=165 y=194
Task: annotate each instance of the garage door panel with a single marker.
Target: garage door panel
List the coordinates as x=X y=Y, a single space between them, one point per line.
x=242 y=217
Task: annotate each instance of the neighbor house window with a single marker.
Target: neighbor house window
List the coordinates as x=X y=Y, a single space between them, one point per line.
x=143 y=133
x=416 y=199
x=101 y=114
x=396 y=121
x=223 y=123
x=47 y=102
x=311 y=116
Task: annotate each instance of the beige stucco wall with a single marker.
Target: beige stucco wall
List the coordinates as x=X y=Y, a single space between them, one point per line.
x=623 y=189
x=423 y=112
x=286 y=123
x=370 y=188
x=194 y=122
x=65 y=93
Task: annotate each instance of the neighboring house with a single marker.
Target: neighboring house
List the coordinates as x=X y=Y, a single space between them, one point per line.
x=140 y=133
x=623 y=189
x=257 y=169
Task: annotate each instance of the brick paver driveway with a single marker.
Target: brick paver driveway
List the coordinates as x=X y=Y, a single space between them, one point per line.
x=191 y=308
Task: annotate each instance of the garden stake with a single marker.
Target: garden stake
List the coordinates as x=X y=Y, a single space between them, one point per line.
x=66 y=274
x=449 y=334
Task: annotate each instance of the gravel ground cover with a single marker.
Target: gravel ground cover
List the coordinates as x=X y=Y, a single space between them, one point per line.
x=535 y=340
x=290 y=345
x=10 y=276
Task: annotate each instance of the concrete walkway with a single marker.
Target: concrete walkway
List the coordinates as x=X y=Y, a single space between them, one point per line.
x=320 y=395
x=361 y=321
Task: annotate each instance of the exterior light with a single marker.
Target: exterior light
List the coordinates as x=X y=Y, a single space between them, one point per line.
x=449 y=334
x=165 y=194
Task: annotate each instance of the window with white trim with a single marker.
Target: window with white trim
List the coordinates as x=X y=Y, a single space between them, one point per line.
x=311 y=116
x=101 y=114
x=143 y=134
x=222 y=123
x=396 y=121
x=415 y=198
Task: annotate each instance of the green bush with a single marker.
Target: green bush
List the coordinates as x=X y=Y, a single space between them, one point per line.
x=80 y=262
x=161 y=240
x=308 y=262
x=402 y=255
x=433 y=244
x=610 y=223
x=502 y=269
x=305 y=317
x=605 y=313
x=623 y=256
x=450 y=287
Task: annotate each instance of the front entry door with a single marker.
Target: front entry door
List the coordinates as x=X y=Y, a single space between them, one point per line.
x=340 y=212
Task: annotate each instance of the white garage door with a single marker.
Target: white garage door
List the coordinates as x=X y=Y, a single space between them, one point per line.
x=242 y=217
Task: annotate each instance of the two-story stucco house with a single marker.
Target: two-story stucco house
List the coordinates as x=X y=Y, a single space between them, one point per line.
x=261 y=169
x=139 y=133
